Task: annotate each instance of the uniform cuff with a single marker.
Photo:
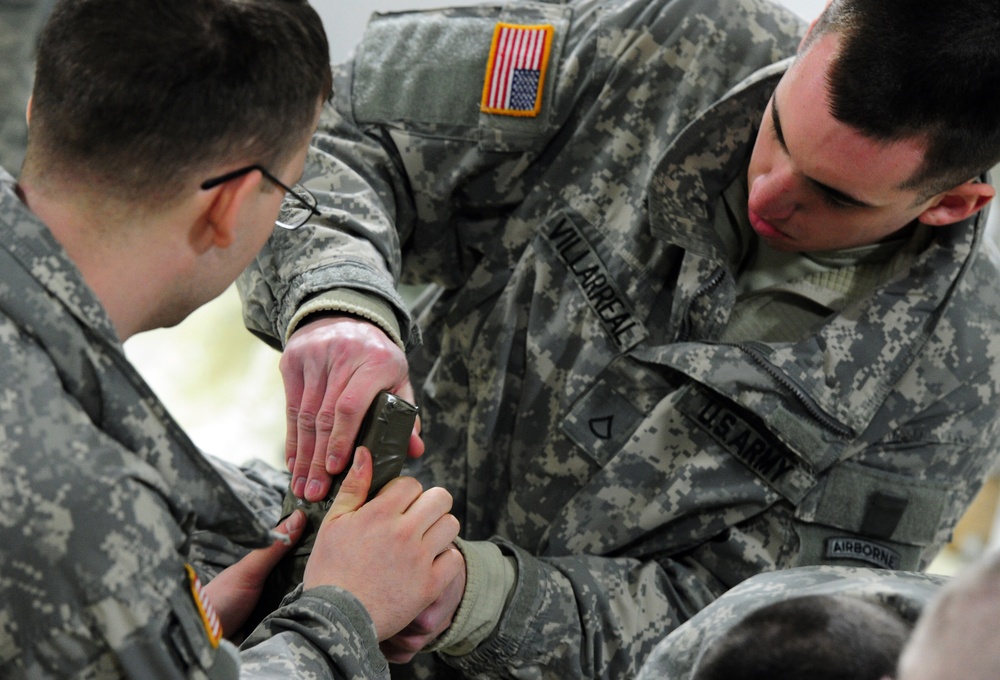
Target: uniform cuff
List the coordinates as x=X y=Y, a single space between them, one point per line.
x=489 y=580
x=353 y=302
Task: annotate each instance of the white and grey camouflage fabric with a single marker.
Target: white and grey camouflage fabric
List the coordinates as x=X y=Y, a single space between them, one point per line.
x=677 y=656
x=577 y=396
x=105 y=503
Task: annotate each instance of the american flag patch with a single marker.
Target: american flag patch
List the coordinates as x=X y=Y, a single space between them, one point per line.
x=515 y=74
x=213 y=627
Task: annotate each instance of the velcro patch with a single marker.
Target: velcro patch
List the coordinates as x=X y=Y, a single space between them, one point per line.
x=515 y=73
x=213 y=627
x=850 y=548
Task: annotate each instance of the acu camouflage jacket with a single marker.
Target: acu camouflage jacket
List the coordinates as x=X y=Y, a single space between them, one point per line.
x=576 y=399
x=102 y=499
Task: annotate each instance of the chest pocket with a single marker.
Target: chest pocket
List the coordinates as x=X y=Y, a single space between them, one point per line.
x=604 y=418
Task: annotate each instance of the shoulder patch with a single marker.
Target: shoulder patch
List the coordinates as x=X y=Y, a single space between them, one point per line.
x=515 y=72
x=213 y=627
x=861 y=550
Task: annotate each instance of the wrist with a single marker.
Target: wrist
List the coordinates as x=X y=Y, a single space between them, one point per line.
x=490 y=578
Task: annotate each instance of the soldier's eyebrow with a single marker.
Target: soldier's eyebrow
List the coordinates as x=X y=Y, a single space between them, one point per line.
x=834 y=194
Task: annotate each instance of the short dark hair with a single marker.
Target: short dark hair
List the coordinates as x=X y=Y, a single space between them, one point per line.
x=141 y=95
x=920 y=68
x=812 y=637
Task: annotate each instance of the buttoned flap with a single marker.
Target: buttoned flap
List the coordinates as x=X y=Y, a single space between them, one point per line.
x=748 y=439
x=860 y=515
x=486 y=73
x=602 y=420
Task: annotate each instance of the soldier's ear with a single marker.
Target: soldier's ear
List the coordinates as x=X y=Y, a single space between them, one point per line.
x=812 y=24
x=957 y=204
x=221 y=217
x=27 y=111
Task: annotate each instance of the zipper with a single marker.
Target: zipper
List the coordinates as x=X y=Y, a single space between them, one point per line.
x=749 y=348
x=714 y=282
x=800 y=394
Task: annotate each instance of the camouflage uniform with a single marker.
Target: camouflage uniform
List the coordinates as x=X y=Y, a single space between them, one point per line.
x=678 y=655
x=576 y=397
x=102 y=496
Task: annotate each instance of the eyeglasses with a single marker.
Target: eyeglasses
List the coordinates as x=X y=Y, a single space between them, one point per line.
x=299 y=204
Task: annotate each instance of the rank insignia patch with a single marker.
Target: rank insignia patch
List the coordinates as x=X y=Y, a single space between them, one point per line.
x=515 y=73
x=213 y=627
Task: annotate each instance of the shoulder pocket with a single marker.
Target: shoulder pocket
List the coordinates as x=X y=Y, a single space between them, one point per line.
x=859 y=515
x=433 y=68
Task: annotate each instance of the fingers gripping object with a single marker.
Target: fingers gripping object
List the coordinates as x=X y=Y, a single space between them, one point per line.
x=385 y=431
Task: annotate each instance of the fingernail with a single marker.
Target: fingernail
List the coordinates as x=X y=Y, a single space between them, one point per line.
x=313 y=491
x=290 y=463
x=333 y=464
x=298 y=486
x=294 y=522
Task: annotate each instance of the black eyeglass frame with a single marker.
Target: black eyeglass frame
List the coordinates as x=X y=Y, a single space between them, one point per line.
x=298 y=192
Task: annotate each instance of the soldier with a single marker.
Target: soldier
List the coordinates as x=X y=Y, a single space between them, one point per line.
x=164 y=135
x=697 y=312
x=807 y=622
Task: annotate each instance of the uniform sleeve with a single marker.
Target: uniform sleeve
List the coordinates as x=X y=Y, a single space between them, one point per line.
x=407 y=169
x=354 y=245
x=581 y=617
x=100 y=584
x=321 y=633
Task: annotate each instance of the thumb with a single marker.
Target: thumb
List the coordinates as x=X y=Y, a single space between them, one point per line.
x=236 y=589
x=262 y=561
x=254 y=568
x=354 y=490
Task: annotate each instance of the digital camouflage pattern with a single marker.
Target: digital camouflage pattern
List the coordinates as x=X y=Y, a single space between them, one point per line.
x=678 y=655
x=102 y=497
x=576 y=398
x=20 y=23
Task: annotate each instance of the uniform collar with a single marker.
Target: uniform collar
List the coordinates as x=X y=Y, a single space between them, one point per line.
x=692 y=173
x=33 y=246
x=704 y=159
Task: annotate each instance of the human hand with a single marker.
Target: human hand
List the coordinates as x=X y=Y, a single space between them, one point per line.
x=429 y=624
x=235 y=591
x=332 y=369
x=394 y=553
